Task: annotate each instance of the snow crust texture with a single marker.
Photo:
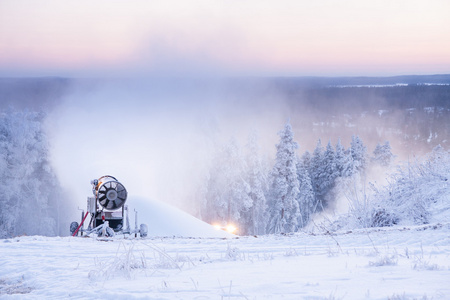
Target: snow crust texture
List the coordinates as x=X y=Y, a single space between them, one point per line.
x=388 y=263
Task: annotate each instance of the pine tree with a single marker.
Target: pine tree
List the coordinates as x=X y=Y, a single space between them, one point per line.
x=305 y=196
x=359 y=154
x=283 y=205
x=345 y=172
x=330 y=174
x=306 y=160
x=344 y=166
x=228 y=191
x=316 y=171
x=256 y=217
x=382 y=154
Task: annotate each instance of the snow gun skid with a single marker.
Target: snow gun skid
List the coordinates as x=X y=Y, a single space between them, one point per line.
x=107 y=210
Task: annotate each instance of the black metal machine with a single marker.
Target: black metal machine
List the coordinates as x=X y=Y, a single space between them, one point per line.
x=108 y=211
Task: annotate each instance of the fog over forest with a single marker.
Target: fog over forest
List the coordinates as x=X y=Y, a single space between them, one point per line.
x=159 y=136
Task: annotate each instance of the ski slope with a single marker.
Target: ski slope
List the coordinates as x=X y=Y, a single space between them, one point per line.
x=392 y=263
x=164 y=220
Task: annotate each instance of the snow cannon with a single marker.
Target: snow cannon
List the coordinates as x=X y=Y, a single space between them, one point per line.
x=109 y=214
x=109 y=192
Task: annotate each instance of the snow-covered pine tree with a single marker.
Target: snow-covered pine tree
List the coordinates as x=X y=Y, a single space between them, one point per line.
x=29 y=191
x=305 y=196
x=228 y=191
x=359 y=154
x=283 y=205
x=323 y=175
x=7 y=204
x=316 y=173
x=344 y=163
x=257 y=179
x=306 y=160
x=347 y=178
x=330 y=174
x=382 y=155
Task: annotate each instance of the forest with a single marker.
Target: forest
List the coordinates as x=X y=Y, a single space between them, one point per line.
x=284 y=197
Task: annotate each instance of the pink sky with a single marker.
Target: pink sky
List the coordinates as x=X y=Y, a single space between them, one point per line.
x=245 y=37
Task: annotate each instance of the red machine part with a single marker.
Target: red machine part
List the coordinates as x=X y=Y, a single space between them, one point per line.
x=81 y=224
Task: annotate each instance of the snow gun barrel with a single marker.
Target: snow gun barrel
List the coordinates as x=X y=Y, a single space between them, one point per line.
x=109 y=192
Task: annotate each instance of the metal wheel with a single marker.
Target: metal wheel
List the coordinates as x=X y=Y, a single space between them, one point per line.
x=143 y=230
x=73 y=227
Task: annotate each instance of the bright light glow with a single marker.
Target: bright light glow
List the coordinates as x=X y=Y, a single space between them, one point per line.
x=231 y=229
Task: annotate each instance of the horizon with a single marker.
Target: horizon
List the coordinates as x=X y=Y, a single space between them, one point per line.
x=222 y=77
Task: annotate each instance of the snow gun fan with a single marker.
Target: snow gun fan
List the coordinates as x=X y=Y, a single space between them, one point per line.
x=107 y=210
x=110 y=193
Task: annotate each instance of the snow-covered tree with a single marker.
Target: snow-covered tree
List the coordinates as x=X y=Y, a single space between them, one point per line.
x=29 y=191
x=331 y=173
x=413 y=195
x=327 y=169
x=305 y=196
x=323 y=174
x=344 y=163
x=358 y=153
x=227 y=196
x=306 y=160
x=316 y=171
x=256 y=217
x=347 y=177
x=283 y=205
x=416 y=192
x=382 y=154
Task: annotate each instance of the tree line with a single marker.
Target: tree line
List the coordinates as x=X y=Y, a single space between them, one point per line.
x=244 y=189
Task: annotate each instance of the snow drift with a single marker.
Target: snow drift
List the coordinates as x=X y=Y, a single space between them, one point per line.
x=164 y=220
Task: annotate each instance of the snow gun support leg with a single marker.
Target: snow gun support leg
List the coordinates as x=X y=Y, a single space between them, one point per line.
x=126 y=229
x=135 y=223
x=142 y=229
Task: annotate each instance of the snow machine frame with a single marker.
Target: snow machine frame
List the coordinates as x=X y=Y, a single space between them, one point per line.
x=107 y=210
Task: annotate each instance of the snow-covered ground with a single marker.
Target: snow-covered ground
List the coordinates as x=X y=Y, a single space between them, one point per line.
x=392 y=263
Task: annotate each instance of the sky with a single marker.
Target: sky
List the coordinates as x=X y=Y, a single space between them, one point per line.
x=245 y=38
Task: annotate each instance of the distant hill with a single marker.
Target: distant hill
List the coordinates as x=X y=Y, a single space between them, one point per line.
x=316 y=82
x=412 y=111
x=414 y=117
x=32 y=93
